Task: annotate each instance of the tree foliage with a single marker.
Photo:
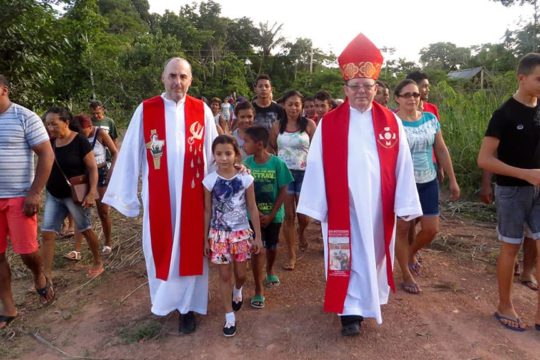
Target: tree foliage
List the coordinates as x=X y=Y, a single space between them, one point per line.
x=444 y=55
x=114 y=50
x=531 y=34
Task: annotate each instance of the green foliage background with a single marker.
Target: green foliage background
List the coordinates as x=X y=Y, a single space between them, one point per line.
x=69 y=52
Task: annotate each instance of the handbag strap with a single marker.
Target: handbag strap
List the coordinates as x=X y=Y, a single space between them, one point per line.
x=95 y=137
x=57 y=164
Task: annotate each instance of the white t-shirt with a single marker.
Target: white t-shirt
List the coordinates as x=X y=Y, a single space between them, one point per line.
x=229 y=210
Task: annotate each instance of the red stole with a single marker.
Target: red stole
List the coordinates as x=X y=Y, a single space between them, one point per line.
x=192 y=210
x=335 y=135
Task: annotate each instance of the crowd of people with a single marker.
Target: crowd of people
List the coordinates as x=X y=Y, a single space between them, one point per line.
x=225 y=181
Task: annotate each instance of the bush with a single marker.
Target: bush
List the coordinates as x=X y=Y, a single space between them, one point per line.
x=464 y=119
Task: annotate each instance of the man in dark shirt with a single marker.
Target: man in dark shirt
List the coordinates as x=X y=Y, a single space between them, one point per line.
x=511 y=150
x=266 y=110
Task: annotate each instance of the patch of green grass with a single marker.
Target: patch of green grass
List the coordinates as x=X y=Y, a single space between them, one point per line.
x=464 y=118
x=141 y=332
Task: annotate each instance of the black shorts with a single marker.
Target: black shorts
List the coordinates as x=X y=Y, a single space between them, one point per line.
x=270 y=235
x=103 y=171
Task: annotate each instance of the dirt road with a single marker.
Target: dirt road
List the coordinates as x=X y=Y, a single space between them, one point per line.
x=452 y=319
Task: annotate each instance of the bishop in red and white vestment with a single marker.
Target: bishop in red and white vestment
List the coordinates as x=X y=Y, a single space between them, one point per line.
x=170 y=143
x=359 y=177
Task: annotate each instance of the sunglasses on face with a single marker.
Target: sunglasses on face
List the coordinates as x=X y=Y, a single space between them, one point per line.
x=409 y=95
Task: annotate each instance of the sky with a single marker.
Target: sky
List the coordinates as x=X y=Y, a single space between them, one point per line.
x=407 y=26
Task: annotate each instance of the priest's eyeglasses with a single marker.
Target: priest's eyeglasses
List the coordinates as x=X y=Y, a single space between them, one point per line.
x=409 y=95
x=365 y=87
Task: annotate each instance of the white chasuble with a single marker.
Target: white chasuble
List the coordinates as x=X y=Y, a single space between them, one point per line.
x=368 y=285
x=182 y=293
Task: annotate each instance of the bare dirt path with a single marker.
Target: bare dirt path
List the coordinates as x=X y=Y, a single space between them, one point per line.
x=452 y=319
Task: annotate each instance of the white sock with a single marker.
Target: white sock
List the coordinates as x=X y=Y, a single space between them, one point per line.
x=237 y=294
x=230 y=318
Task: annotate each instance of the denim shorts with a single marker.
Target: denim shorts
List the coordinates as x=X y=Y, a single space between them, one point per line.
x=516 y=206
x=429 y=197
x=296 y=185
x=56 y=210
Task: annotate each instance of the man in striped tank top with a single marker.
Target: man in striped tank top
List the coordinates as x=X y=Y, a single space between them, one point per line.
x=22 y=134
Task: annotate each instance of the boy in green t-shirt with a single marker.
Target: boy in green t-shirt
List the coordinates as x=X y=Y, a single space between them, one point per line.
x=271 y=180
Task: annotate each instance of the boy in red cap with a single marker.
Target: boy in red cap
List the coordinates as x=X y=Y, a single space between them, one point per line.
x=363 y=142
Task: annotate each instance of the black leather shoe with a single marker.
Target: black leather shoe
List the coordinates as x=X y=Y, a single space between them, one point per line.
x=229 y=330
x=187 y=323
x=352 y=329
x=350 y=325
x=237 y=305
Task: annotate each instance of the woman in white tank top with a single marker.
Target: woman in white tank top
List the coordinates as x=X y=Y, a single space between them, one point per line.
x=290 y=138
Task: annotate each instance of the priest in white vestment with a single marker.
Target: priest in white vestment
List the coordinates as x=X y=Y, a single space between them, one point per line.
x=169 y=290
x=368 y=277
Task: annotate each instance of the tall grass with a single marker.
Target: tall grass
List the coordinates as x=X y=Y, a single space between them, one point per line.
x=464 y=118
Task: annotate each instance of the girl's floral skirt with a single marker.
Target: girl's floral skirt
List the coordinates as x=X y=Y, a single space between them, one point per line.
x=229 y=246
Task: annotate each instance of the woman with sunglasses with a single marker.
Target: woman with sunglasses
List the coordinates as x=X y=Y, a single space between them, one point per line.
x=424 y=136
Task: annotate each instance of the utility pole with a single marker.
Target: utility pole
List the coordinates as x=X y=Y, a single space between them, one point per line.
x=311 y=62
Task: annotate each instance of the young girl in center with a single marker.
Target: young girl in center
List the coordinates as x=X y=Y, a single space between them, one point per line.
x=228 y=197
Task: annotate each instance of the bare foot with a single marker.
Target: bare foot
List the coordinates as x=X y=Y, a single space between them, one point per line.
x=95 y=271
x=303 y=243
x=411 y=288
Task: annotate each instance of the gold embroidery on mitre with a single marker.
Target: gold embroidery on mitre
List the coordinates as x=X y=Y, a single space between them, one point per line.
x=349 y=70
x=367 y=70
x=364 y=69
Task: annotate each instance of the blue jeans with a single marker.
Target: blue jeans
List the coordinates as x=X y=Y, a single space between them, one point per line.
x=56 y=210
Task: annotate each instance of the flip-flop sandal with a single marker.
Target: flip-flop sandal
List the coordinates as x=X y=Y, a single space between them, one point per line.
x=288 y=267
x=44 y=292
x=271 y=281
x=257 y=302
x=533 y=285
x=411 y=288
x=73 y=255
x=415 y=268
x=6 y=319
x=92 y=274
x=506 y=322
x=67 y=234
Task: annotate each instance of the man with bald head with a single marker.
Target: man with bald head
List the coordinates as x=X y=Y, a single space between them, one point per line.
x=169 y=141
